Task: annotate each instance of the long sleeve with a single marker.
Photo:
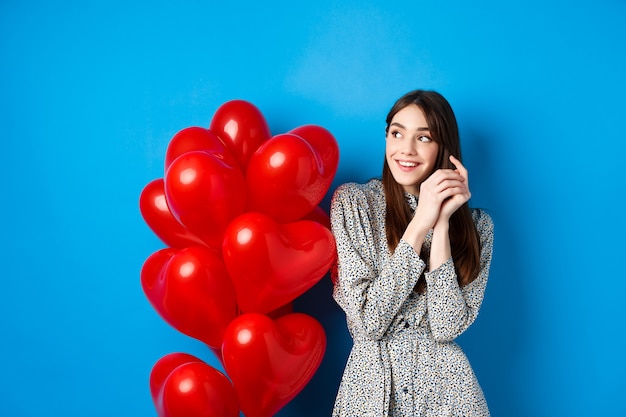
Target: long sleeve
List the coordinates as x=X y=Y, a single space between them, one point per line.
x=452 y=309
x=368 y=289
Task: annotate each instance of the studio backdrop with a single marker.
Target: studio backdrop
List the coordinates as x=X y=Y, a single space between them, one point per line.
x=92 y=93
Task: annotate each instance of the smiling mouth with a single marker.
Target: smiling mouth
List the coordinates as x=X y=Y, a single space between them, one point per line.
x=407 y=164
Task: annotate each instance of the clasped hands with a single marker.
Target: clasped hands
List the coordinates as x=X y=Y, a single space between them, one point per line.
x=441 y=194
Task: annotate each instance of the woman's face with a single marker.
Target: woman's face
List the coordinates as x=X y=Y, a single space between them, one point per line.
x=410 y=151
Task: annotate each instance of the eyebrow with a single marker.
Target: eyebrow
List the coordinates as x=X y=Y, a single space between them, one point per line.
x=419 y=129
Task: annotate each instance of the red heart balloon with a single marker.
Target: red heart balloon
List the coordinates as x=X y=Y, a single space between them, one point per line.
x=157 y=215
x=194 y=294
x=319 y=215
x=285 y=178
x=271 y=264
x=324 y=144
x=163 y=367
x=281 y=311
x=205 y=194
x=270 y=362
x=196 y=138
x=152 y=269
x=242 y=127
x=274 y=314
x=195 y=389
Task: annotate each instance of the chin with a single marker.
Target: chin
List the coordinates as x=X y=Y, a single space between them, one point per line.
x=407 y=180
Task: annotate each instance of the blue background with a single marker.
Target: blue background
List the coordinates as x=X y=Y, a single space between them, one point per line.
x=91 y=93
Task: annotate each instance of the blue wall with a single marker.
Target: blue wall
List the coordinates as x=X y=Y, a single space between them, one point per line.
x=91 y=94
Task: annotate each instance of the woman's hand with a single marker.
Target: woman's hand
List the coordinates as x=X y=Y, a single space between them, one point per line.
x=442 y=194
x=453 y=192
x=458 y=192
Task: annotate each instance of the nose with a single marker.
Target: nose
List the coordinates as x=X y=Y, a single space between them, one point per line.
x=409 y=146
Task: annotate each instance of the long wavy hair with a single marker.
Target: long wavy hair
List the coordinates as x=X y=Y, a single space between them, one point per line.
x=464 y=239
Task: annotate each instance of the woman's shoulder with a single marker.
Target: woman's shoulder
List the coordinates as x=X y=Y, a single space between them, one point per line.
x=359 y=197
x=354 y=189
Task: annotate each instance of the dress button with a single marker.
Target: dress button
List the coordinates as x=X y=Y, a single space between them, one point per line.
x=406 y=324
x=406 y=390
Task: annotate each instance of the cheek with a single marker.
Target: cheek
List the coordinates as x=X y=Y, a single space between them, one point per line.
x=391 y=148
x=388 y=150
x=432 y=155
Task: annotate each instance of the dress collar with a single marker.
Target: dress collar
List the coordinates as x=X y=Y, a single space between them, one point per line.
x=411 y=199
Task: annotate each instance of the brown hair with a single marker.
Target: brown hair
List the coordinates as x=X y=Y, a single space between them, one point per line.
x=464 y=240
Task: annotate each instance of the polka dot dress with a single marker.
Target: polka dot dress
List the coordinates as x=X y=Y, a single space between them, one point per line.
x=404 y=361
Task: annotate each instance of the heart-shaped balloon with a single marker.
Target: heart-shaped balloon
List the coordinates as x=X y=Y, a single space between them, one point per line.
x=271 y=264
x=242 y=127
x=324 y=144
x=193 y=389
x=271 y=361
x=204 y=194
x=152 y=270
x=319 y=215
x=281 y=311
x=285 y=178
x=192 y=292
x=157 y=215
x=163 y=367
x=197 y=138
x=274 y=314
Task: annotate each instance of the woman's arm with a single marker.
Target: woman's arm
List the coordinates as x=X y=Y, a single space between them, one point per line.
x=452 y=309
x=370 y=294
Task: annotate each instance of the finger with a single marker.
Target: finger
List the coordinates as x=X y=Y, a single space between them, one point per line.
x=457 y=164
x=459 y=194
x=452 y=204
x=445 y=174
x=434 y=190
x=459 y=167
x=451 y=183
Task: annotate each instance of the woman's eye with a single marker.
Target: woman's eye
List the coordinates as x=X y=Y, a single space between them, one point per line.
x=424 y=138
x=396 y=135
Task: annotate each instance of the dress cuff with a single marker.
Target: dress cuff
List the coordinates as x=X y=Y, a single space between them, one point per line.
x=407 y=252
x=442 y=275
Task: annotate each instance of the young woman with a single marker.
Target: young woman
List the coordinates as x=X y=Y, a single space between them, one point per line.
x=413 y=262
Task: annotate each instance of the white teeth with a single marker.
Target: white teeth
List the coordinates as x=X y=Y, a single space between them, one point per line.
x=407 y=164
